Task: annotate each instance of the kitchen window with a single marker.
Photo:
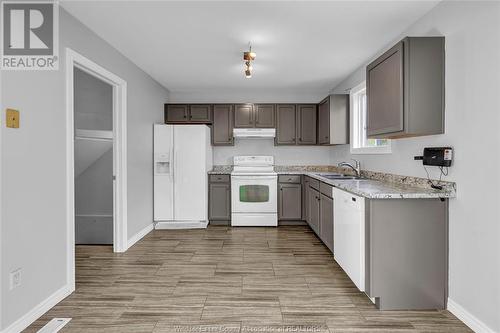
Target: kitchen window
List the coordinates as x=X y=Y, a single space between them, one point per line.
x=360 y=144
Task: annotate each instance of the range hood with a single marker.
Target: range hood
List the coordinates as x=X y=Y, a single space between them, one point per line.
x=254 y=132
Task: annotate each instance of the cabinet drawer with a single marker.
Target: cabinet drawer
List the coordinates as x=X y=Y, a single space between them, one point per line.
x=219 y=178
x=314 y=183
x=326 y=189
x=289 y=179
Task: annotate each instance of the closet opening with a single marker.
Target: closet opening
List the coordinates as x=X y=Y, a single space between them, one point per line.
x=96 y=162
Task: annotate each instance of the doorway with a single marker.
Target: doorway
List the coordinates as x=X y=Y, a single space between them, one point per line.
x=96 y=157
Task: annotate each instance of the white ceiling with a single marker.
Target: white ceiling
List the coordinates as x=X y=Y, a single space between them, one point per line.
x=303 y=47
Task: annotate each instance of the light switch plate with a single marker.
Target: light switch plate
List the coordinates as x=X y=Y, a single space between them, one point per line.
x=12 y=118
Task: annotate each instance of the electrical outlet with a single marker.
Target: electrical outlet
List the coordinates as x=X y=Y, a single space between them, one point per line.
x=15 y=278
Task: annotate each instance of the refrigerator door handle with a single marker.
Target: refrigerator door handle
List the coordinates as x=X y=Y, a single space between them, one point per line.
x=171 y=168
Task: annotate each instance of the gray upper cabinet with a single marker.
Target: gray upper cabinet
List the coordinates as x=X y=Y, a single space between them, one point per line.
x=286 y=120
x=264 y=115
x=306 y=124
x=244 y=116
x=200 y=113
x=323 y=122
x=176 y=113
x=326 y=220
x=289 y=201
x=222 y=126
x=333 y=123
x=405 y=89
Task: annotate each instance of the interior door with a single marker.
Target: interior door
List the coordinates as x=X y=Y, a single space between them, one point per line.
x=190 y=178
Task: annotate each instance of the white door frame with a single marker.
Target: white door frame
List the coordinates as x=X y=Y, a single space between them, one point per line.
x=74 y=59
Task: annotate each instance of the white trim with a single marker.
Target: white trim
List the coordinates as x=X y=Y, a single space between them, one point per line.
x=467 y=318
x=2 y=116
x=138 y=236
x=181 y=225
x=362 y=150
x=39 y=310
x=74 y=59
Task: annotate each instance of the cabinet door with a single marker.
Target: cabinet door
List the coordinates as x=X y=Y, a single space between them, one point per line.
x=222 y=126
x=286 y=124
x=243 y=116
x=289 y=201
x=200 y=113
x=313 y=209
x=305 y=197
x=324 y=122
x=326 y=221
x=176 y=113
x=306 y=124
x=219 y=198
x=384 y=89
x=264 y=115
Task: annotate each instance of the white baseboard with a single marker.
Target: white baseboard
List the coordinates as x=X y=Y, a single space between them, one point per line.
x=181 y=225
x=138 y=236
x=38 y=310
x=467 y=318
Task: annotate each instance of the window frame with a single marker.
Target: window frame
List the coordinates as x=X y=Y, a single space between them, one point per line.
x=354 y=131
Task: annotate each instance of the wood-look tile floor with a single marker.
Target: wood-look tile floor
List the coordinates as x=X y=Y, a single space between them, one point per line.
x=224 y=279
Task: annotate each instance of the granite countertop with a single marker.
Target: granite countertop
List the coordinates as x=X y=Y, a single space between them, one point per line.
x=376 y=185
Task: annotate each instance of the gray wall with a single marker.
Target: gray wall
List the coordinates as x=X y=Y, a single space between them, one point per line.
x=472 y=120
x=33 y=204
x=93 y=102
x=94 y=187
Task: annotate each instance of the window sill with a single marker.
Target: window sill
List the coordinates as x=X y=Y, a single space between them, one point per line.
x=371 y=150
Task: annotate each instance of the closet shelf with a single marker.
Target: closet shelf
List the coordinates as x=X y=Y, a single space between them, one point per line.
x=84 y=134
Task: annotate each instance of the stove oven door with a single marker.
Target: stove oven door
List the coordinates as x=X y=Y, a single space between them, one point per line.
x=254 y=193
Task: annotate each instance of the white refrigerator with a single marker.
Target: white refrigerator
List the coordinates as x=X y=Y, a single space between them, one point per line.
x=182 y=158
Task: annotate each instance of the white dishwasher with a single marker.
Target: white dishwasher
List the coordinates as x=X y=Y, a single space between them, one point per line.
x=349 y=235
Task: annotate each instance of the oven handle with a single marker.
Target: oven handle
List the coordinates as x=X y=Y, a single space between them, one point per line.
x=257 y=178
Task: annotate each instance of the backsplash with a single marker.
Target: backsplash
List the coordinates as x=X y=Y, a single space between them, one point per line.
x=283 y=155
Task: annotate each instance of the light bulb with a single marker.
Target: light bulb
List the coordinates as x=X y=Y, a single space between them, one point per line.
x=248 y=74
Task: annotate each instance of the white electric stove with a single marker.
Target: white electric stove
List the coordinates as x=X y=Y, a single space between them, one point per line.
x=254 y=193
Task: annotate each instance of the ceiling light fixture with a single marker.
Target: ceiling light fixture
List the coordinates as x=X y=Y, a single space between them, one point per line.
x=249 y=56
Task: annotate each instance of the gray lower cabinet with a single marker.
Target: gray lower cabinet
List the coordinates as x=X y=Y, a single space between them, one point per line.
x=244 y=116
x=306 y=124
x=219 y=199
x=222 y=126
x=326 y=221
x=405 y=89
x=313 y=206
x=407 y=253
x=286 y=123
x=289 y=197
x=264 y=115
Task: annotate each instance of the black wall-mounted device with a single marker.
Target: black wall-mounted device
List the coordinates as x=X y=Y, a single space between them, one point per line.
x=436 y=156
